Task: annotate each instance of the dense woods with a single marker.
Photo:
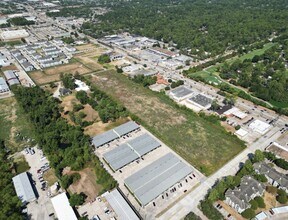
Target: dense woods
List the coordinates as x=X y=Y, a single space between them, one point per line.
x=208 y=28
x=10 y=205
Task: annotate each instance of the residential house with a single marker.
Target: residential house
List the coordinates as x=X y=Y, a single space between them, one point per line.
x=274 y=177
x=27 y=66
x=240 y=197
x=21 y=59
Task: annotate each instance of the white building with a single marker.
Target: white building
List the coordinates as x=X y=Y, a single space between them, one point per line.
x=3 y=86
x=259 y=126
x=14 y=34
x=4 y=60
x=62 y=207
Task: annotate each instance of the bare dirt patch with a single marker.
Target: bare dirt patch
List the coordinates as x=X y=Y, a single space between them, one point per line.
x=87 y=184
x=53 y=74
x=100 y=127
x=91 y=63
x=91 y=114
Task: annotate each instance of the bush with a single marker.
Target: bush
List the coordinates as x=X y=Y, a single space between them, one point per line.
x=260 y=177
x=77 y=199
x=254 y=204
x=281 y=163
x=248 y=213
x=237 y=127
x=210 y=211
x=260 y=202
x=77 y=107
x=192 y=216
x=104 y=59
x=282 y=199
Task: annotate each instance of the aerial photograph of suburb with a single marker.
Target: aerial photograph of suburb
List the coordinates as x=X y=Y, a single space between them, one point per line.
x=143 y=109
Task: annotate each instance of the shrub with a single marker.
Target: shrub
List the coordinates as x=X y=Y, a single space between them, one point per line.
x=192 y=216
x=77 y=199
x=210 y=211
x=260 y=202
x=248 y=213
x=77 y=107
x=282 y=199
x=254 y=204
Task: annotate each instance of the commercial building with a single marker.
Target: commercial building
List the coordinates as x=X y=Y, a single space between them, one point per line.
x=144 y=72
x=3 y=86
x=23 y=187
x=120 y=206
x=115 y=133
x=240 y=197
x=11 y=77
x=130 y=151
x=201 y=101
x=4 y=61
x=180 y=93
x=14 y=34
x=154 y=179
x=62 y=207
x=259 y=126
x=235 y=112
x=275 y=178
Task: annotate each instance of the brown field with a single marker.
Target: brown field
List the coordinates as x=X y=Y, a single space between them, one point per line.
x=87 y=184
x=99 y=127
x=89 y=62
x=52 y=74
x=91 y=114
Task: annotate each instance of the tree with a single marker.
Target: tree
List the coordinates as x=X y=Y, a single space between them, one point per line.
x=254 y=204
x=248 y=213
x=192 y=216
x=104 y=58
x=260 y=202
x=258 y=156
x=271 y=189
x=77 y=199
x=68 y=81
x=82 y=97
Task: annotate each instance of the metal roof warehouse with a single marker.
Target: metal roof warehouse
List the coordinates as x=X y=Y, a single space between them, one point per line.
x=62 y=207
x=120 y=206
x=115 y=133
x=154 y=179
x=24 y=188
x=130 y=151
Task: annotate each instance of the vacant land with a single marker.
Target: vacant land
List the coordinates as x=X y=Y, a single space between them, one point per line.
x=52 y=74
x=87 y=184
x=204 y=144
x=15 y=128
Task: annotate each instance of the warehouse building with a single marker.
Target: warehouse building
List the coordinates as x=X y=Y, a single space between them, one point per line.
x=120 y=206
x=14 y=34
x=23 y=187
x=154 y=179
x=3 y=86
x=201 y=101
x=11 y=77
x=180 y=93
x=115 y=133
x=130 y=151
x=62 y=207
x=259 y=126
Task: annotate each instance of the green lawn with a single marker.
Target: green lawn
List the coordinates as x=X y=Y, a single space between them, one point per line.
x=208 y=77
x=256 y=52
x=204 y=144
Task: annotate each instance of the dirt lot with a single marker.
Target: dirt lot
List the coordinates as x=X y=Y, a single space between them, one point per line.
x=278 y=151
x=53 y=74
x=204 y=144
x=87 y=184
x=89 y=62
x=99 y=127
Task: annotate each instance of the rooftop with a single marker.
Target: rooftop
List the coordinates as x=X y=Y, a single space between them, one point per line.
x=202 y=100
x=24 y=188
x=154 y=179
x=62 y=207
x=181 y=92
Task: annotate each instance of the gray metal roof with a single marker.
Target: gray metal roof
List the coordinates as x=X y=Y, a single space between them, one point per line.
x=115 y=133
x=9 y=74
x=23 y=187
x=181 y=91
x=120 y=206
x=149 y=182
x=120 y=156
x=104 y=138
x=130 y=151
x=3 y=85
x=201 y=100
x=12 y=82
x=126 y=128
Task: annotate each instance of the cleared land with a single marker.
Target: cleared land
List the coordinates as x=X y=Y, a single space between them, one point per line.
x=15 y=128
x=204 y=144
x=52 y=74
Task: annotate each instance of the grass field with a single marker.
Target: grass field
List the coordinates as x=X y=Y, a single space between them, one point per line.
x=205 y=145
x=52 y=74
x=13 y=121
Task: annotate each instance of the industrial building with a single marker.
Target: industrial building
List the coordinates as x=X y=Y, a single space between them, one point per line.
x=201 y=101
x=3 y=86
x=115 y=133
x=154 y=179
x=130 y=151
x=23 y=187
x=62 y=207
x=120 y=206
x=11 y=77
x=180 y=93
x=259 y=126
x=14 y=34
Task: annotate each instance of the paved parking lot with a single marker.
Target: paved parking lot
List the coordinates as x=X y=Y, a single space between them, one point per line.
x=42 y=207
x=164 y=200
